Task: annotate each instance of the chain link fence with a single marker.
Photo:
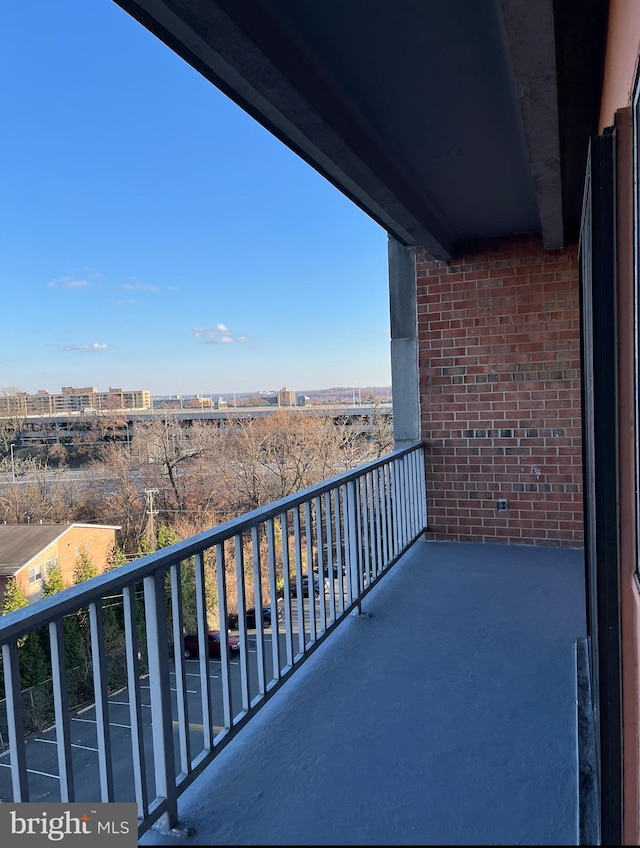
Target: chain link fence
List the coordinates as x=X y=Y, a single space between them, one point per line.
x=37 y=701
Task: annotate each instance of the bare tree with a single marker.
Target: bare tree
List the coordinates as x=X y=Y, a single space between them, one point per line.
x=113 y=495
x=202 y=475
x=381 y=429
x=272 y=457
x=13 y=411
x=40 y=494
x=169 y=455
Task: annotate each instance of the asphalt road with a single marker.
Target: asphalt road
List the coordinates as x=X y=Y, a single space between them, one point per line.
x=64 y=475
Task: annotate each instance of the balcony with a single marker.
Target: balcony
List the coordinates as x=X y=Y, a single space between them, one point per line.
x=447 y=717
x=427 y=696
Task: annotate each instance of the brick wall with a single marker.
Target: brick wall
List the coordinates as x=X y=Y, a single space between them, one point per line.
x=97 y=542
x=499 y=352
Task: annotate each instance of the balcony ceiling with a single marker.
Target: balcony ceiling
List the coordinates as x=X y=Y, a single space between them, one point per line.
x=444 y=120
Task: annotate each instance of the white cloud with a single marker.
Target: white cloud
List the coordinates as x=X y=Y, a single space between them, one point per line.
x=220 y=334
x=67 y=283
x=87 y=347
x=136 y=285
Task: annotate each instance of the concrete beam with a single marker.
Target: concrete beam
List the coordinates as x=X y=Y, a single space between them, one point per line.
x=529 y=34
x=405 y=381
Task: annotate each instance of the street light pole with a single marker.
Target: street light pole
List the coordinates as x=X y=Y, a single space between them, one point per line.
x=13 y=467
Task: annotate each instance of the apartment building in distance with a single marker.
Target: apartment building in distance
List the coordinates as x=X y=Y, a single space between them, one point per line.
x=284 y=397
x=74 y=399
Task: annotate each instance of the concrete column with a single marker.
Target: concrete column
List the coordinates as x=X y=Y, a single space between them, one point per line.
x=405 y=383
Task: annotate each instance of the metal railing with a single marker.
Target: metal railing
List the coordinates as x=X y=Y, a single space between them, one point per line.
x=303 y=563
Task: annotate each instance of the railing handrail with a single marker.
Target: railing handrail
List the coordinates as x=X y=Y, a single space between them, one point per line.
x=46 y=610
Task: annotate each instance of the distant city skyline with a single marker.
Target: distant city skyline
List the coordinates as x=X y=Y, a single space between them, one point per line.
x=156 y=236
x=4 y=392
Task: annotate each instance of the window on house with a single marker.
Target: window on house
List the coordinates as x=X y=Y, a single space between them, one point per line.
x=35 y=574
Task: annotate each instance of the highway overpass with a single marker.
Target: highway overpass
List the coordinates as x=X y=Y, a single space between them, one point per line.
x=62 y=427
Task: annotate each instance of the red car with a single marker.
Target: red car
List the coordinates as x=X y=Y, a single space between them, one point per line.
x=191 y=647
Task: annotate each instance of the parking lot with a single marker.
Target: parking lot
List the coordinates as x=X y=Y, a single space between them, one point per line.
x=41 y=748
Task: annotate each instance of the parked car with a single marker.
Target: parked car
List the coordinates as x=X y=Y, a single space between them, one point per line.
x=250 y=618
x=192 y=648
x=293 y=587
x=337 y=570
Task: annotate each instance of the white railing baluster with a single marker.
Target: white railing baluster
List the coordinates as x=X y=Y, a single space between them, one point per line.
x=135 y=704
x=380 y=527
x=273 y=591
x=419 y=526
x=242 y=626
x=160 y=697
x=297 y=561
x=390 y=496
x=358 y=528
x=320 y=558
x=308 y=544
x=201 y=603
x=101 y=698
x=424 y=514
x=364 y=523
x=385 y=473
x=61 y=709
x=15 y=723
x=257 y=589
x=403 y=501
x=370 y=521
x=288 y=619
x=352 y=541
x=331 y=561
x=398 y=502
x=184 y=737
x=411 y=498
x=395 y=520
x=377 y=506
x=340 y=558
x=410 y=495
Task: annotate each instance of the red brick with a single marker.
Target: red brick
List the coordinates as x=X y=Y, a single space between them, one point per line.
x=503 y=307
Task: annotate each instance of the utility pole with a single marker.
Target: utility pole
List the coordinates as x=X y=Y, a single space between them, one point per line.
x=151 y=512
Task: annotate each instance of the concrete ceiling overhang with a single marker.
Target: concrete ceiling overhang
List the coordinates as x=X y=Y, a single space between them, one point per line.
x=445 y=120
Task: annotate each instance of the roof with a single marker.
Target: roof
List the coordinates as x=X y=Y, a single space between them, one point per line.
x=20 y=543
x=445 y=120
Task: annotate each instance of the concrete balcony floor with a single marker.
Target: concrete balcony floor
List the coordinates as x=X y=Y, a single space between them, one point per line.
x=447 y=717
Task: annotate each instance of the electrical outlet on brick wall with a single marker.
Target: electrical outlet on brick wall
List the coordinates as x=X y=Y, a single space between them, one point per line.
x=502 y=505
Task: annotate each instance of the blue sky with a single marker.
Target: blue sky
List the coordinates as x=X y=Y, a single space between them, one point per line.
x=154 y=236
